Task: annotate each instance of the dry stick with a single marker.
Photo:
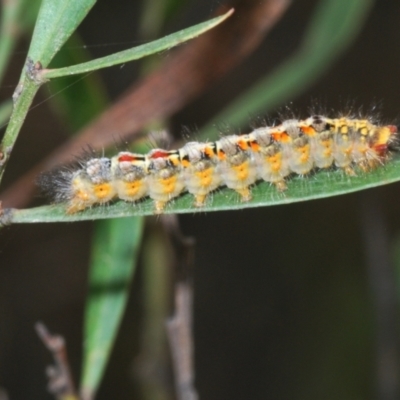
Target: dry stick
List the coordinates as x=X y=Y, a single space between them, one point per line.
x=179 y=325
x=184 y=247
x=60 y=380
x=382 y=282
x=179 y=330
x=188 y=72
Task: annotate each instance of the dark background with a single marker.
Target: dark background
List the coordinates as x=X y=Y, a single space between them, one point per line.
x=283 y=301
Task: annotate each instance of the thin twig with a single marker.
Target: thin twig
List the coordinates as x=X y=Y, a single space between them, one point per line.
x=179 y=325
x=60 y=381
x=184 y=247
x=179 y=329
x=383 y=292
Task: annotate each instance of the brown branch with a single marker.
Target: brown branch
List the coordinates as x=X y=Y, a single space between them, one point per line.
x=179 y=330
x=60 y=380
x=188 y=72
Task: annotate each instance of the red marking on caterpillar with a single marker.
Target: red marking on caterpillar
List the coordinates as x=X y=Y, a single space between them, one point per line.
x=126 y=157
x=159 y=154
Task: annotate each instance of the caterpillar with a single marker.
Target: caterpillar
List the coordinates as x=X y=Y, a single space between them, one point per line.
x=271 y=154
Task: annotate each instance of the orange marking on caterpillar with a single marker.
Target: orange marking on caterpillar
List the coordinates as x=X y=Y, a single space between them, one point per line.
x=205 y=176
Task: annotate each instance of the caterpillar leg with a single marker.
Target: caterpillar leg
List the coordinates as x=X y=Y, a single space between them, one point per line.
x=76 y=205
x=349 y=171
x=159 y=206
x=281 y=186
x=245 y=194
x=199 y=200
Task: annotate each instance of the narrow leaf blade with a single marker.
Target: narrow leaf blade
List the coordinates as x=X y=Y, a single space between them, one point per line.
x=114 y=257
x=135 y=53
x=56 y=22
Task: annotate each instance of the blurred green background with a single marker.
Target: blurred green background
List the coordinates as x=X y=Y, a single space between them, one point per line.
x=285 y=303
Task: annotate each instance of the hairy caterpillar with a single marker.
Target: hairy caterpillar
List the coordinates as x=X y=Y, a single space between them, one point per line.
x=271 y=154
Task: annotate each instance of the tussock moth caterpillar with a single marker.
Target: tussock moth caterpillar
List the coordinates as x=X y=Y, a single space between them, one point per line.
x=271 y=154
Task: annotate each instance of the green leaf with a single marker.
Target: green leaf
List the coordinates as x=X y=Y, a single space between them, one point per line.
x=115 y=250
x=135 y=53
x=57 y=20
x=319 y=185
x=334 y=26
x=156 y=277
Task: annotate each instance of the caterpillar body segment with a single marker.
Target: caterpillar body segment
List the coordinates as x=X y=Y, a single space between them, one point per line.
x=271 y=154
x=199 y=170
x=93 y=184
x=271 y=161
x=297 y=148
x=236 y=164
x=164 y=178
x=129 y=173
